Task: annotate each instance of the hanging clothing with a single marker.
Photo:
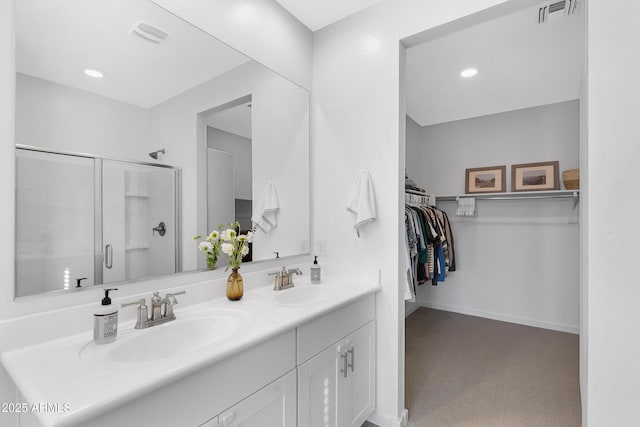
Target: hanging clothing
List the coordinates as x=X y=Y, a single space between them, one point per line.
x=429 y=245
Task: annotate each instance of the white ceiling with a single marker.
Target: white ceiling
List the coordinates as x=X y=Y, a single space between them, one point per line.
x=236 y=120
x=57 y=39
x=520 y=64
x=318 y=14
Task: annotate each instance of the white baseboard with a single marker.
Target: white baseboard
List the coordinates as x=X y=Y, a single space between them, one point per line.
x=386 y=421
x=404 y=419
x=504 y=318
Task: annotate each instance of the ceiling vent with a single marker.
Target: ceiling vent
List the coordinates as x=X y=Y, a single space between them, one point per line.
x=557 y=10
x=149 y=32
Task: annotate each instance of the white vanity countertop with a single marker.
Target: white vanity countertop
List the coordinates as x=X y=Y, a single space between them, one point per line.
x=92 y=383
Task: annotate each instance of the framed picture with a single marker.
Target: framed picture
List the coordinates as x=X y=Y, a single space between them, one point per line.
x=491 y=179
x=535 y=177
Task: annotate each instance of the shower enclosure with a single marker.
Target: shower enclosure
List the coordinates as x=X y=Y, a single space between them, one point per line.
x=84 y=220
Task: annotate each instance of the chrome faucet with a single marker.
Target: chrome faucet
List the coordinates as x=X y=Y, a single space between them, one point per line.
x=161 y=310
x=284 y=278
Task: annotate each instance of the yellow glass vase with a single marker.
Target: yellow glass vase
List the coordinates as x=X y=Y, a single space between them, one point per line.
x=235 y=288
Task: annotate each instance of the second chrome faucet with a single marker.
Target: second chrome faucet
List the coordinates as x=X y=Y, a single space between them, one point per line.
x=161 y=309
x=284 y=278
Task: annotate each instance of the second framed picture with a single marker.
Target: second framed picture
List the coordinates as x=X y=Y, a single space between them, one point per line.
x=535 y=176
x=492 y=179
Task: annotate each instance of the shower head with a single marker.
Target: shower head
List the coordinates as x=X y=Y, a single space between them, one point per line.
x=154 y=154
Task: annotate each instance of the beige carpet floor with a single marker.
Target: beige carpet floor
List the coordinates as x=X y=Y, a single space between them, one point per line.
x=465 y=371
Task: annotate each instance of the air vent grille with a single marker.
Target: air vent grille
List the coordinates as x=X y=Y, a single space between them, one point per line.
x=149 y=32
x=557 y=10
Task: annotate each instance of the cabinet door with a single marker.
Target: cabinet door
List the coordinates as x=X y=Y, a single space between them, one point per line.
x=360 y=383
x=273 y=406
x=320 y=383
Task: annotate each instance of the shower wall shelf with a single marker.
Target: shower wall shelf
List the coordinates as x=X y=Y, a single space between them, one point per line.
x=140 y=195
x=136 y=247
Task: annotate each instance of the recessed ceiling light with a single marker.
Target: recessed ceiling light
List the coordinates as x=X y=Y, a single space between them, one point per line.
x=94 y=73
x=469 y=72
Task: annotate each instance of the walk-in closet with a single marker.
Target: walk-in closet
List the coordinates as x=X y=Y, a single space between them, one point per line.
x=492 y=219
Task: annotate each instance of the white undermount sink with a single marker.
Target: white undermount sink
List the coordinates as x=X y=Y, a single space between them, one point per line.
x=302 y=295
x=169 y=339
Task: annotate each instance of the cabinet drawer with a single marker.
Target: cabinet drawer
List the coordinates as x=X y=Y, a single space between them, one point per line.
x=318 y=334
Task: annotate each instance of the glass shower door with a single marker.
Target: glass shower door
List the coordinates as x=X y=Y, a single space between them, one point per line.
x=54 y=221
x=139 y=232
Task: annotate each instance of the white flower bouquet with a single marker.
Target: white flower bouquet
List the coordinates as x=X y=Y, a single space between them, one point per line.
x=211 y=246
x=234 y=245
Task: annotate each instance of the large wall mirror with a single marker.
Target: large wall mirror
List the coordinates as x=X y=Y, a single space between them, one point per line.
x=136 y=131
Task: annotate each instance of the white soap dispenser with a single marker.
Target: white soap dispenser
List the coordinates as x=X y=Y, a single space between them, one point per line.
x=105 y=320
x=315 y=271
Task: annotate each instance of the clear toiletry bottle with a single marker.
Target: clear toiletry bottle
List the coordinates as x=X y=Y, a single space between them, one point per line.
x=315 y=271
x=105 y=320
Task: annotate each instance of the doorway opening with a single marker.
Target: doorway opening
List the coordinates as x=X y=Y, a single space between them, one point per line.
x=493 y=272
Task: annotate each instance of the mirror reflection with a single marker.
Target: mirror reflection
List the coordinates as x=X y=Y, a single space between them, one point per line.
x=136 y=131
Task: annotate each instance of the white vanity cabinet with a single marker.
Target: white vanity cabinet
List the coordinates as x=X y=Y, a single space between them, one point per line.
x=336 y=388
x=237 y=390
x=273 y=406
x=319 y=373
x=335 y=377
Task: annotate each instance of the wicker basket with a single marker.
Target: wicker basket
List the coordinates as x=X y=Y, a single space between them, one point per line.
x=571 y=179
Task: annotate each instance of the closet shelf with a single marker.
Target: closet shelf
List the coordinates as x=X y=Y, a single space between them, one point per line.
x=557 y=194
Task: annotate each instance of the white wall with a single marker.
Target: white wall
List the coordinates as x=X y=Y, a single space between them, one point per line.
x=240 y=148
x=355 y=124
x=93 y=124
x=260 y=29
x=414 y=164
x=517 y=260
x=8 y=392
x=282 y=150
x=438 y=159
x=612 y=254
x=584 y=244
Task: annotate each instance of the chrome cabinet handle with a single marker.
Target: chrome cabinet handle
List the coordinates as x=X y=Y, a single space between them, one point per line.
x=353 y=358
x=108 y=256
x=344 y=364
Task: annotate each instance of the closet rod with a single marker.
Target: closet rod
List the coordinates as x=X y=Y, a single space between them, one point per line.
x=514 y=196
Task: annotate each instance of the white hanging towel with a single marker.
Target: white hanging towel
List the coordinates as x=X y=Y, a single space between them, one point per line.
x=362 y=200
x=265 y=215
x=466 y=206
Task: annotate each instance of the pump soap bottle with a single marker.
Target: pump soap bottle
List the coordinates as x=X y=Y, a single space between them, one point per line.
x=105 y=320
x=315 y=271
